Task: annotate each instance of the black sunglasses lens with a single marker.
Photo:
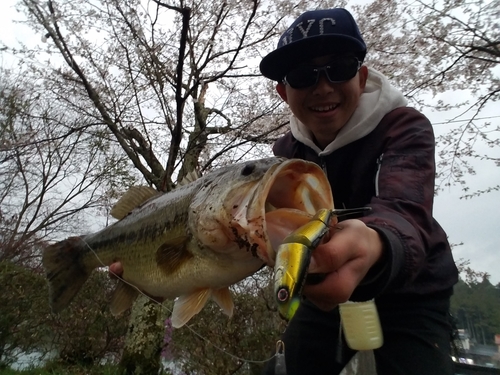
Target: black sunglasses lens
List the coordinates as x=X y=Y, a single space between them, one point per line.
x=342 y=70
x=303 y=76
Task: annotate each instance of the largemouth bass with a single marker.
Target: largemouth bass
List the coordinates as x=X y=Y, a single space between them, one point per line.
x=195 y=241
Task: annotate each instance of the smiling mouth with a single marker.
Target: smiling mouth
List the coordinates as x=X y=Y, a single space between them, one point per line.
x=325 y=108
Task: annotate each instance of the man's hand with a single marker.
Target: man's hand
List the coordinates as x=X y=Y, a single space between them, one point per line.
x=344 y=260
x=115 y=270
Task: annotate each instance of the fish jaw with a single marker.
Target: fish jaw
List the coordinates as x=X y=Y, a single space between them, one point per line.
x=287 y=196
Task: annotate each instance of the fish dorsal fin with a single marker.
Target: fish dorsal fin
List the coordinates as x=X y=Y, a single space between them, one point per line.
x=123 y=298
x=224 y=299
x=173 y=254
x=187 y=306
x=133 y=198
x=190 y=177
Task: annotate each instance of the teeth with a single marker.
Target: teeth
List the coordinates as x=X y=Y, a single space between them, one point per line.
x=325 y=108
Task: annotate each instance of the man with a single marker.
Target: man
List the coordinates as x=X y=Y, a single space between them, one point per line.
x=376 y=152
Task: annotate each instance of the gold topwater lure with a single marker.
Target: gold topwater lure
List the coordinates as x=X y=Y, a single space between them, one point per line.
x=294 y=254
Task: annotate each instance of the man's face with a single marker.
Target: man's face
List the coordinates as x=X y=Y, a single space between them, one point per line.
x=325 y=107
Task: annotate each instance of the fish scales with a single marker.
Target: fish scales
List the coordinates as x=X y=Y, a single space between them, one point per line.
x=195 y=241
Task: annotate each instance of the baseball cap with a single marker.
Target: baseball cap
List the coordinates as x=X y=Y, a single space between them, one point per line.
x=315 y=33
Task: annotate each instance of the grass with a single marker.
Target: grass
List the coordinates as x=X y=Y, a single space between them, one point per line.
x=66 y=370
x=59 y=369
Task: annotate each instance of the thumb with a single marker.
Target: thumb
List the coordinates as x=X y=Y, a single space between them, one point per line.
x=313 y=265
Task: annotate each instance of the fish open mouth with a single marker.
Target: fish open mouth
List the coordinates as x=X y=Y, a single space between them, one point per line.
x=289 y=195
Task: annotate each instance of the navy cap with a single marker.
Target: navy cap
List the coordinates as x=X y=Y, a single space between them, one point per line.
x=315 y=33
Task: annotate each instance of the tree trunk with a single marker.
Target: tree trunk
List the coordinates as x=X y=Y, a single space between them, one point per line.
x=143 y=344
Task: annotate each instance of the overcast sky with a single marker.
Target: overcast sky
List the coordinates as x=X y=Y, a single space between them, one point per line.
x=474 y=222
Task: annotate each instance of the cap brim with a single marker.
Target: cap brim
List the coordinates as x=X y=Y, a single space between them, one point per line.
x=279 y=62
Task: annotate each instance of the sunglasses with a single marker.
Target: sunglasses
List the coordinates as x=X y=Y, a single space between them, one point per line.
x=337 y=71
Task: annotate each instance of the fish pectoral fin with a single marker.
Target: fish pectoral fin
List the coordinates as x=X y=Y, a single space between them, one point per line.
x=133 y=198
x=224 y=299
x=173 y=254
x=187 y=306
x=123 y=298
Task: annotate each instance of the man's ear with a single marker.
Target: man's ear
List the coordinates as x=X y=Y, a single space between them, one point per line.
x=281 y=88
x=363 y=76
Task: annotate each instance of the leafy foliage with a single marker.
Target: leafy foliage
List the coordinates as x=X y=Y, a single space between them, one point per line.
x=476 y=306
x=212 y=344
x=83 y=334
x=86 y=332
x=58 y=369
x=22 y=291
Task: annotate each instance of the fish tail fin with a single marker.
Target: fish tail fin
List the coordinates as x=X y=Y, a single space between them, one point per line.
x=65 y=272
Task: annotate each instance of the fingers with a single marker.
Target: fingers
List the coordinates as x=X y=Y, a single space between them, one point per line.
x=331 y=255
x=336 y=286
x=115 y=270
x=342 y=263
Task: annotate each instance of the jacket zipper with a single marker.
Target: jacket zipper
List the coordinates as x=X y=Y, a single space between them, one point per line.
x=379 y=165
x=323 y=165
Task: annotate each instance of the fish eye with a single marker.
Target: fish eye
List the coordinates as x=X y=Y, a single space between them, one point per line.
x=248 y=169
x=282 y=295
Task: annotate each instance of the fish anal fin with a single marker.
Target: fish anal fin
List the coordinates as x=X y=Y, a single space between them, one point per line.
x=187 y=306
x=123 y=298
x=65 y=272
x=224 y=299
x=173 y=254
x=133 y=198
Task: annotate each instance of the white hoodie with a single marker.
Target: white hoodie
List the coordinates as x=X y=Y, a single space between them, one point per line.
x=378 y=99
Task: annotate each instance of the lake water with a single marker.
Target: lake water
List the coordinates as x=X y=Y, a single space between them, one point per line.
x=27 y=360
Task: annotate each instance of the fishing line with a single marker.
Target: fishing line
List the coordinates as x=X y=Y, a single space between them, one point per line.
x=170 y=311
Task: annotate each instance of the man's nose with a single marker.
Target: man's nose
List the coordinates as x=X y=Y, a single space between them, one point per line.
x=323 y=86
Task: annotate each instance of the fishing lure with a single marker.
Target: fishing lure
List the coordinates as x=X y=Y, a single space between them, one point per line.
x=294 y=255
x=360 y=321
